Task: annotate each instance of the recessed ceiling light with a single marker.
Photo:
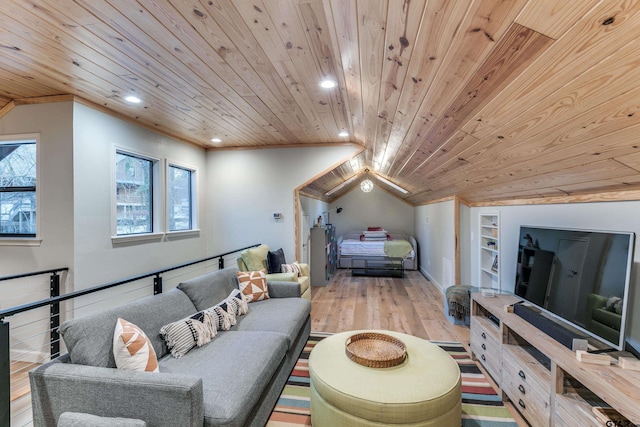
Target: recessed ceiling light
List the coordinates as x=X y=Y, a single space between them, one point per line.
x=343 y=133
x=328 y=83
x=132 y=99
x=216 y=140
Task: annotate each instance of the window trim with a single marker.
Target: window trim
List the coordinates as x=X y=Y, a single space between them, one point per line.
x=157 y=198
x=194 y=231
x=27 y=240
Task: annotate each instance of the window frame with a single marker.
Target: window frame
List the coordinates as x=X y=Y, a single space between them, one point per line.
x=194 y=175
x=26 y=239
x=157 y=202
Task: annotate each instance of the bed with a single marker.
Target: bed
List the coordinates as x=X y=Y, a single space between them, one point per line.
x=353 y=249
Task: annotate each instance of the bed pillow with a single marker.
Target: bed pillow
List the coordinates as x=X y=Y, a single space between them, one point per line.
x=132 y=349
x=274 y=260
x=374 y=229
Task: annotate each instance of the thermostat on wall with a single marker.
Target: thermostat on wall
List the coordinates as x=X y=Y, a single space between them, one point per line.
x=277 y=215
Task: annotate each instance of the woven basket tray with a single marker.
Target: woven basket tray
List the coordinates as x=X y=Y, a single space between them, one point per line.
x=375 y=350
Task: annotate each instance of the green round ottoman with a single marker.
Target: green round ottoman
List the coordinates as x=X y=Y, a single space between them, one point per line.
x=422 y=391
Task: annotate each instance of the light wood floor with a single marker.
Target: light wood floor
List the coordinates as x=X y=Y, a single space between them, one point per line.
x=411 y=305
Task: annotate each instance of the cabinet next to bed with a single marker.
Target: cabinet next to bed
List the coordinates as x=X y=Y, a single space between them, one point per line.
x=324 y=253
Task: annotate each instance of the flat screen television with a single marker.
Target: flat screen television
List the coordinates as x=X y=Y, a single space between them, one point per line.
x=581 y=277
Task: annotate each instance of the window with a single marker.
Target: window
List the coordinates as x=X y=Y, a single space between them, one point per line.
x=180 y=191
x=18 y=188
x=134 y=194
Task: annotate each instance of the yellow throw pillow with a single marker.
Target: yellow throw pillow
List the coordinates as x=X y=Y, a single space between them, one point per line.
x=132 y=349
x=255 y=258
x=253 y=285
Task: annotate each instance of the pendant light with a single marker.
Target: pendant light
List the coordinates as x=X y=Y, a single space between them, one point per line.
x=366 y=185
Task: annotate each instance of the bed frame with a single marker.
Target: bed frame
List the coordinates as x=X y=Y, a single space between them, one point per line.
x=357 y=261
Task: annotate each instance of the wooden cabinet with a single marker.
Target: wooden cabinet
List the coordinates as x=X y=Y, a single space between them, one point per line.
x=324 y=254
x=542 y=378
x=489 y=237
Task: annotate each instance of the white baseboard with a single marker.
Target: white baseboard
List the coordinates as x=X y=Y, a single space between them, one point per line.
x=426 y=274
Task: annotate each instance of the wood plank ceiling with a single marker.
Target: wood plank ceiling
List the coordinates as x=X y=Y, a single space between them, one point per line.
x=484 y=99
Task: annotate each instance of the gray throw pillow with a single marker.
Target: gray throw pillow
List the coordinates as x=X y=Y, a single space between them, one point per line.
x=275 y=259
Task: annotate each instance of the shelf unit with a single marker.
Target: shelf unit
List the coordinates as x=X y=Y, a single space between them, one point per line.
x=542 y=378
x=324 y=254
x=489 y=251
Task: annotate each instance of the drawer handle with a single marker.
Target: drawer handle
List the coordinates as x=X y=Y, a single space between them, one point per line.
x=483 y=335
x=484 y=347
x=521 y=388
x=522 y=375
x=521 y=403
x=484 y=359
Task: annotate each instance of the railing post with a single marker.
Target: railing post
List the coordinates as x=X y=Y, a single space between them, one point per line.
x=220 y=263
x=157 y=284
x=5 y=375
x=54 y=322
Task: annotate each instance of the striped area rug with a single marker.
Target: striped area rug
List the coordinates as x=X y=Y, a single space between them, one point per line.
x=481 y=406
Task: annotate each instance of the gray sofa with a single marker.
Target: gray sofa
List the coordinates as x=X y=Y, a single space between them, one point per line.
x=235 y=380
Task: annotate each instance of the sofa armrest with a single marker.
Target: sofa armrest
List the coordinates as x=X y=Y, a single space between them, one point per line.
x=304 y=269
x=279 y=289
x=160 y=399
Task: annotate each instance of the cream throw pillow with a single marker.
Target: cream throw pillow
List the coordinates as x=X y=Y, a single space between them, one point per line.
x=132 y=349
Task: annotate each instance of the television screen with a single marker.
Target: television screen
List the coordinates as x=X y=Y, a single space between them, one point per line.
x=579 y=276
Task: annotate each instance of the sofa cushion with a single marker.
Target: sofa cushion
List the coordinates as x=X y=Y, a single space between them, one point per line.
x=255 y=258
x=89 y=339
x=274 y=260
x=209 y=289
x=253 y=285
x=286 y=316
x=132 y=350
x=613 y=320
x=235 y=369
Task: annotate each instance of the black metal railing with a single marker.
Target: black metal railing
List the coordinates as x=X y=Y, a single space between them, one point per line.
x=53 y=302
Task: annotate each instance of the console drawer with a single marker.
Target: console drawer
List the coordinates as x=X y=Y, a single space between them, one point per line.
x=531 y=405
x=528 y=374
x=487 y=350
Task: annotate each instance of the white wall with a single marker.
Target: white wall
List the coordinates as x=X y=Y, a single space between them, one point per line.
x=54 y=187
x=55 y=214
x=435 y=233
x=375 y=209
x=98 y=260
x=246 y=187
x=614 y=216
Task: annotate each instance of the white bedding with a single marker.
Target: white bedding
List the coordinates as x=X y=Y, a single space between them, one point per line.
x=365 y=248
x=357 y=247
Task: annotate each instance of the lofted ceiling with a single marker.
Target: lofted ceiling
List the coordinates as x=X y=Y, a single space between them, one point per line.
x=482 y=99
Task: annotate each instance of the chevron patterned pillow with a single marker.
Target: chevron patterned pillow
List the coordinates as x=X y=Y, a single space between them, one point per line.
x=132 y=349
x=253 y=285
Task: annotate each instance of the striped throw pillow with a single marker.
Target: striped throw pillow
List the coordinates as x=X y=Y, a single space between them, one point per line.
x=193 y=331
